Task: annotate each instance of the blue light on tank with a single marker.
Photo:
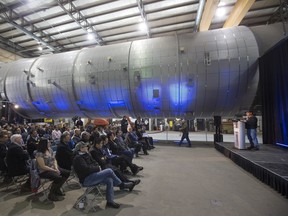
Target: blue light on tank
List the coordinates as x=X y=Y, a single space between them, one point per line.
x=87 y=104
x=146 y=98
x=61 y=104
x=118 y=103
x=179 y=94
x=24 y=104
x=41 y=106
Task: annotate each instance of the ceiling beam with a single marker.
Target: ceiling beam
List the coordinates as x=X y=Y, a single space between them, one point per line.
x=238 y=13
x=199 y=15
x=11 y=47
x=208 y=14
x=80 y=19
x=8 y=15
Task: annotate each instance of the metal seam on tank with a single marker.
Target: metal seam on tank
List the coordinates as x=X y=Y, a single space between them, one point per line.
x=196 y=82
x=129 y=83
x=70 y=99
x=248 y=65
x=219 y=75
x=205 y=87
x=178 y=72
x=100 y=96
x=89 y=88
x=28 y=86
x=73 y=84
x=239 y=67
x=229 y=76
x=4 y=83
x=122 y=94
x=109 y=85
x=237 y=90
x=4 y=89
x=248 y=68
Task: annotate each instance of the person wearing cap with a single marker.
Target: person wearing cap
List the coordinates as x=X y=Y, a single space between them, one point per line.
x=89 y=173
x=85 y=137
x=251 y=127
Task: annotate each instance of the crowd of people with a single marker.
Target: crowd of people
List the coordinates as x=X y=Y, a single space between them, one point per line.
x=96 y=154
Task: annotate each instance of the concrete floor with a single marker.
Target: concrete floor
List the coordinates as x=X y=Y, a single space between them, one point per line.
x=197 y=181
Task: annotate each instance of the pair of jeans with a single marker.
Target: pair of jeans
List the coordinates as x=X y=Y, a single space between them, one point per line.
x=252 y=137
x=185 y=135
x=107 y=177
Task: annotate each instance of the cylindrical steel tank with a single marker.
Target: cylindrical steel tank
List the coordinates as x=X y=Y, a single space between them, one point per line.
x=191 y=75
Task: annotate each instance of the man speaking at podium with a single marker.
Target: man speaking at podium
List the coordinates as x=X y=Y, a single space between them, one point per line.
x=251 y=126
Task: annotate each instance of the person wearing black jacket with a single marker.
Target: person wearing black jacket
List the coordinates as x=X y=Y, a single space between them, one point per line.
x=98 y=155
x=122 y=161
x=124 y=124
x=3 y=152
x=64 y=155
x=17 y=159
x=32 y=143
x=89 y=173
x=251 y=127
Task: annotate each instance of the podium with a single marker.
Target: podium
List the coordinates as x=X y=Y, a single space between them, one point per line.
x=239 y=135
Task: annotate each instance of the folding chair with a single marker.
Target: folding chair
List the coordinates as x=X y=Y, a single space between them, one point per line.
x=39 y=183
x=73 y=178
x=17 y=181
x=86 y=200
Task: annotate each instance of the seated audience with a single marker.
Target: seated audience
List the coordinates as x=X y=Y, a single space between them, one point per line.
x=90 y=174
x=118 y=146
x=122 y=161
x=133 y=142
x=98 y=155
x=76 y=136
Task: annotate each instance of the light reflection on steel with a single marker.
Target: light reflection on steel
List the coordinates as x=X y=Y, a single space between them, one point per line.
x=191 y=75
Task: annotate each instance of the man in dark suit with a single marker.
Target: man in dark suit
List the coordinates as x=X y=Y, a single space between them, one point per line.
x=17 y=159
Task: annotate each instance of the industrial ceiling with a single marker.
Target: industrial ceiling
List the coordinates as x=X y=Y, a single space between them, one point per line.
x=30 y=28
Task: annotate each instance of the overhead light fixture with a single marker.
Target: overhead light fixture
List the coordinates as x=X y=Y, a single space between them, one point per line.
x=40 y=48
x=90 y=36
x=89 y=30
x=143 y=27
x=220 y=12
x=16 y=106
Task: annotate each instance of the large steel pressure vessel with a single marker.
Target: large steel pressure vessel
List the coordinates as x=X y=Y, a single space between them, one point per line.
x=190 y=75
